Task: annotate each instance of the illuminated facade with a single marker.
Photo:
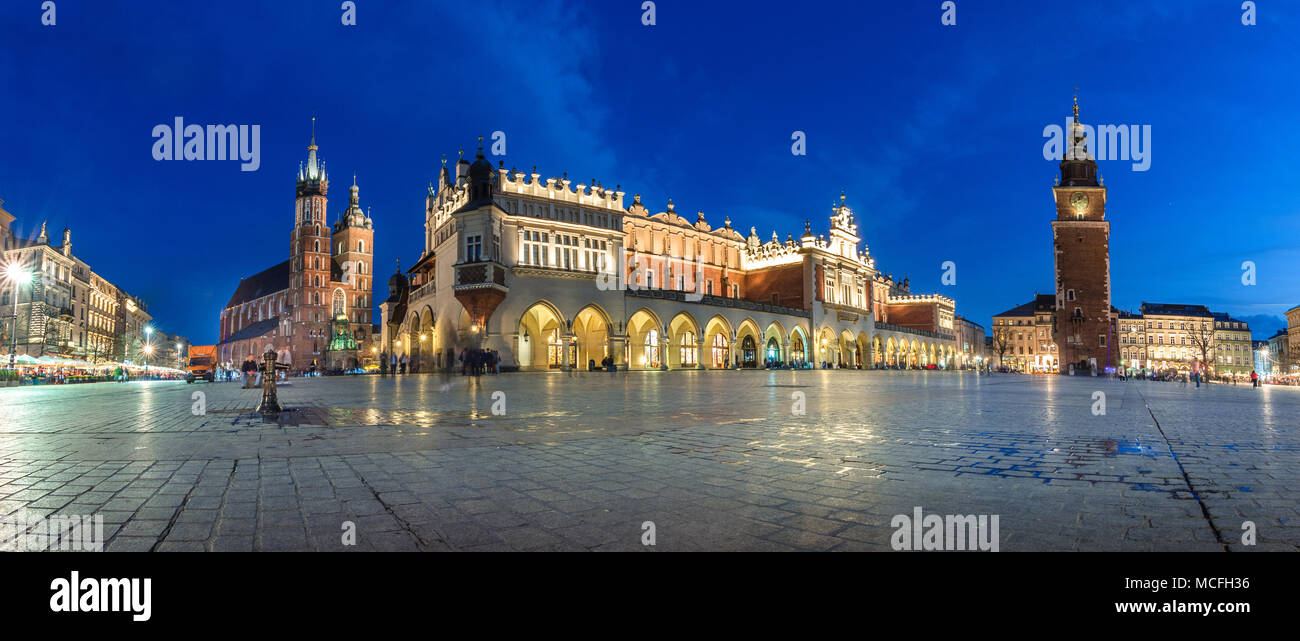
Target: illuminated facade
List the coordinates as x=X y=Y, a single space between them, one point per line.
x=314 y=309
x=1023 y=336
x=553 y=273
x=68 y=310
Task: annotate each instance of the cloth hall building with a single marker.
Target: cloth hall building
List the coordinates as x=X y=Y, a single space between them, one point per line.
x=552 y=273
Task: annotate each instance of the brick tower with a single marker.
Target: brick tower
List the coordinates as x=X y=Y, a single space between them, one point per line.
x=1081 y=251
x=309 y=274
x=354 y=252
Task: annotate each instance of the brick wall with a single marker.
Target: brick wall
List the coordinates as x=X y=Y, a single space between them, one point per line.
x=915 y=316
x=777 y=285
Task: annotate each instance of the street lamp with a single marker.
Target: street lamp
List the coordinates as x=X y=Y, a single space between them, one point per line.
x=18 y=276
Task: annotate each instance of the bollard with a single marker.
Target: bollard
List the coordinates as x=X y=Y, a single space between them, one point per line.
x=270 y=404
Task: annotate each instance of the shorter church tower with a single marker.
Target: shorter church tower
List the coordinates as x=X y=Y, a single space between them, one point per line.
x=354 y=253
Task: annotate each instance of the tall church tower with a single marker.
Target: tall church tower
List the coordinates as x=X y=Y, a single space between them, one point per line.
x=354 y=253
x=1081 y=251
x=309 y=272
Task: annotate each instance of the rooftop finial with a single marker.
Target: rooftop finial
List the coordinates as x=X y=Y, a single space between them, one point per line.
x=1076 y=103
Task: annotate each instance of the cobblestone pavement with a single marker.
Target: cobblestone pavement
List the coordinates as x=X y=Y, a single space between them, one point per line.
x=716 y=460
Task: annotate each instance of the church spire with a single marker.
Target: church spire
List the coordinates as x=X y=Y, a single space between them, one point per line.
x=312 y=170
x=312 y=178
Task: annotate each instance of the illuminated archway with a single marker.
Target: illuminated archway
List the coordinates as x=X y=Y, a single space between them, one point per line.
x=717 y=339
x=684 y=342
x=644 y=340
x=541 y=337
x=591 y=336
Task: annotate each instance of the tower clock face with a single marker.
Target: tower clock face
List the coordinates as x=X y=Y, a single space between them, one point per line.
x=1079 y=201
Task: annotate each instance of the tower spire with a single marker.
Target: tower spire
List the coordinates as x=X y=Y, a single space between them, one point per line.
x=312 y=166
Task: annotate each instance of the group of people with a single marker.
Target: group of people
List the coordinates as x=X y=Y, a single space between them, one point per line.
x=475 y=361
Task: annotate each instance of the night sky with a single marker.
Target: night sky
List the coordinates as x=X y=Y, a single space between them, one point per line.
x=935 y=133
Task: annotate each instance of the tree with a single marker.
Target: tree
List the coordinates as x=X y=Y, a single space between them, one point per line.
x=1201 y=337
x=1001 y=344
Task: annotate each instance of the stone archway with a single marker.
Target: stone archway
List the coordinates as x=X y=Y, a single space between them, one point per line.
x=684 y=342
x=591 y=336
x=798 y=346
x=645 y=340
x=717 y=343
x=542 y=337
x=748 y=340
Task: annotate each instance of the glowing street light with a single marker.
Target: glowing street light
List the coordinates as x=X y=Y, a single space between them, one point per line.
x=18 y=276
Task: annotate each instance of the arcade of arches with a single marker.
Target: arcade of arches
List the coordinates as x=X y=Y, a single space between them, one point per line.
x=546 y=338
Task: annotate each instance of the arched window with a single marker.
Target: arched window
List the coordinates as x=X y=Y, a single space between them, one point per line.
x=796 y=348
x=339 y=302
x=773 y=350
x=652 y=348
x=361 y=246
x=689 y=351
x=719 y=351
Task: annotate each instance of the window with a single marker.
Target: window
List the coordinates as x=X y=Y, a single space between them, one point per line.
x=1069 y=294
x=718 y=354
x=473 y=248
x=689 y=351
x=651 y=356
x=554 y=349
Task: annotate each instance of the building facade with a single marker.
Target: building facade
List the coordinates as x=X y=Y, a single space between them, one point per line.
x=1233 y=353
x=971 y=351
x=67 y=309
x=1279 y=354
x=555 y=273
x=1292 y=347
x=1024 y=337
x=313 y=309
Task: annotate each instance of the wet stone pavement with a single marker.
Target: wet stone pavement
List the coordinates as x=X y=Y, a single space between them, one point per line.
x=716 y=460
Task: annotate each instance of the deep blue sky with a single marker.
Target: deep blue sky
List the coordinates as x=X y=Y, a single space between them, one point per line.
x=934 y=132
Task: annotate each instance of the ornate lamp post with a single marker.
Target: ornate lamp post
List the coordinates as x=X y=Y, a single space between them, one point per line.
x=18 y=276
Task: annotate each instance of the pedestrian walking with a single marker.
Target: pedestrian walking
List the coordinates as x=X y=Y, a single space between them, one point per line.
x=248 y=368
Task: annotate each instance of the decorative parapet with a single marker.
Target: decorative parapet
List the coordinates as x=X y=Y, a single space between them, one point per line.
x=918 y=332
x=717 y=301
x=906 y=299
x=561 y=189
